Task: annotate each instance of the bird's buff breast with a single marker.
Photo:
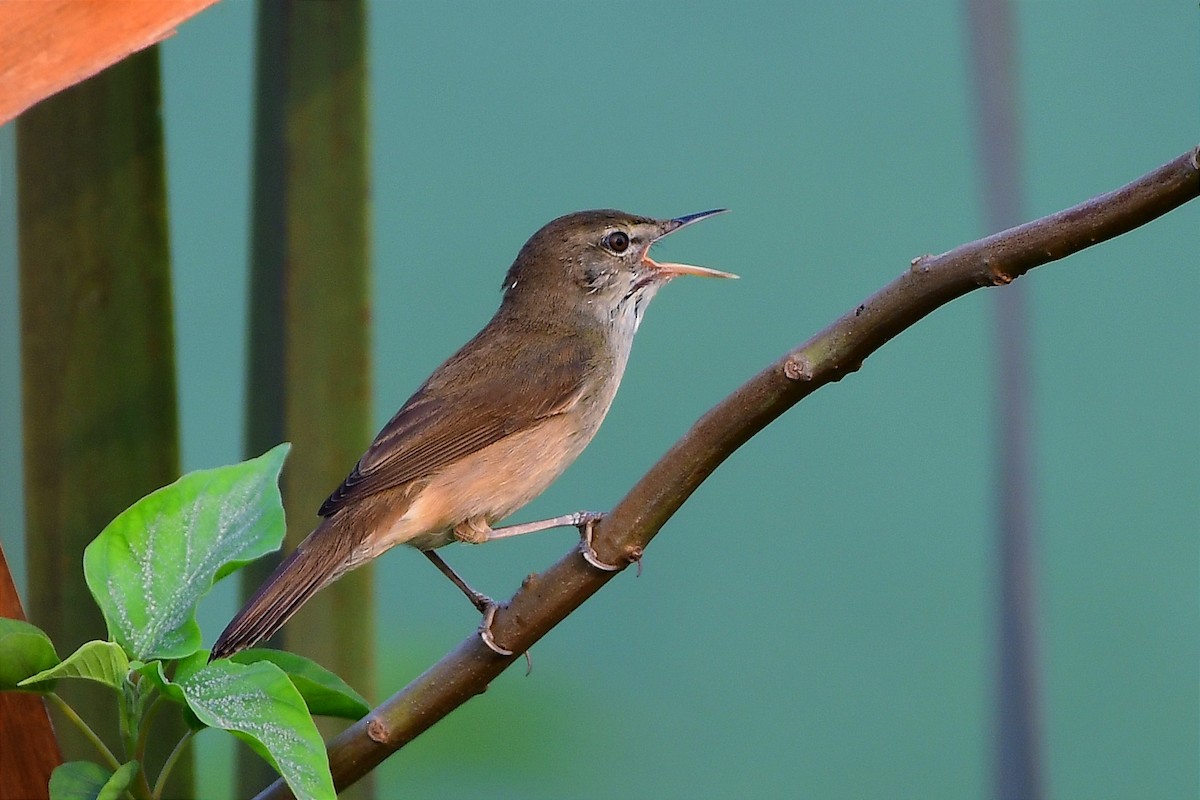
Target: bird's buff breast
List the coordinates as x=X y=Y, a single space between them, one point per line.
x=489 y=484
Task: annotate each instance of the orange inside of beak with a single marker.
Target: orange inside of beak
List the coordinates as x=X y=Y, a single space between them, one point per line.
x=673 y=270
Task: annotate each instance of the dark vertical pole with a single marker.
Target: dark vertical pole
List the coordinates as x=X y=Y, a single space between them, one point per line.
x=309 y=321
x=1018 y=739
x=97 y=349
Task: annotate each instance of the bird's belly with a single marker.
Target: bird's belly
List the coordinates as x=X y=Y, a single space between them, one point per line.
x=489 y=484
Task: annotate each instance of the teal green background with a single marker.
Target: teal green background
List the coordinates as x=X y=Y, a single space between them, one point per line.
x=819 y=620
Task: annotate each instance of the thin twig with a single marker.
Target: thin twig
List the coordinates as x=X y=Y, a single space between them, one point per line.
x=169 y=764
x=96 y=741
x=545 y=600
x=139 y=750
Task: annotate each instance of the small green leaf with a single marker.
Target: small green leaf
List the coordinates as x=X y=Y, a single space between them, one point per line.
x=119 y=782
x=324 y=693
x=259 y=704
x=25 y=650
x=153 y=672
x=153 y=563
x=78 y=780
x=83 y=780
x=103 y=662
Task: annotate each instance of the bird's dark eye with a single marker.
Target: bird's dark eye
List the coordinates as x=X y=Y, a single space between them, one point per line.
x=617 y=241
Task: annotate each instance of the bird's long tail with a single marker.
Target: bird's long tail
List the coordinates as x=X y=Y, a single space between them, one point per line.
x=323 y=557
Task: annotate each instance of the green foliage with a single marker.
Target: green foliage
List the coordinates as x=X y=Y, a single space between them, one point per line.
x=324 y=693
x=259 y=704
x=147 y=570
x=103 y=662
x=83 y=780
x=155 y=674
x=24 y=650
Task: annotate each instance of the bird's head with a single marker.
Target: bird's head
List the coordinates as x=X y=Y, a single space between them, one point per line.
x=598 y=262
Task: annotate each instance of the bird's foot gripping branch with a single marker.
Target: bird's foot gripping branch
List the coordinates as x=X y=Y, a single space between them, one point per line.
x=147 y=571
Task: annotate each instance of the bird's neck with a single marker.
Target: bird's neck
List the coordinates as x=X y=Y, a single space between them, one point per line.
x=607 y=328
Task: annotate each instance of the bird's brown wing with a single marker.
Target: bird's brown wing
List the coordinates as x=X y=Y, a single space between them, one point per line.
x=489 y=401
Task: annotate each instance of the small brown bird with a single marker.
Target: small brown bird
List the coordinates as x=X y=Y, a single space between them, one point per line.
x=495 y=424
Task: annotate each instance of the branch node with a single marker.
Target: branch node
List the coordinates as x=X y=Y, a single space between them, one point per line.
x=797 y=368
x=634 y=555
x=921 y=264
x=377 y=730
x=993 y=273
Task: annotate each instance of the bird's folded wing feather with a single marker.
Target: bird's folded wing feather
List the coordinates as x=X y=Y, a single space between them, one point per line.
x=491 y=400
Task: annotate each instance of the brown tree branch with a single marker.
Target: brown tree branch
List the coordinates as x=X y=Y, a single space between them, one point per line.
x=545 y=600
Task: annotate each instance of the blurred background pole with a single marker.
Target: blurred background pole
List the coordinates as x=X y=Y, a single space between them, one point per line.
x=309 y=316
x=1017 y=751
x=97 y=352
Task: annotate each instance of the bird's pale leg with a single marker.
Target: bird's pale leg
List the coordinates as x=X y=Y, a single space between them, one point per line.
x=478 y=599
x=583 y=520
x=484 y=604
x=477 y=531
x=579 y=520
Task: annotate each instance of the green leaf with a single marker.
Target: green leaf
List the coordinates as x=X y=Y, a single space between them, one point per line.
x=154 y=673
x=78 y=780
x=103 y=662
x=153 y=563
x=259 y=704
x=25 y=650
x=324 y=693
x=190 y=665
x=83 y=780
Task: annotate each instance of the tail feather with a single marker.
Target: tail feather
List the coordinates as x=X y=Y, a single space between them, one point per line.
x=320 y=559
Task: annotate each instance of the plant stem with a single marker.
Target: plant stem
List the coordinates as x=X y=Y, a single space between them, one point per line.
x=161 y=783
x=70 y=714
x=139 y=750
x=134 y=727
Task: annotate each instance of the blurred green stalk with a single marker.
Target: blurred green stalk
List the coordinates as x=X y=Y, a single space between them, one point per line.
x=97 y=352
x=309 y=379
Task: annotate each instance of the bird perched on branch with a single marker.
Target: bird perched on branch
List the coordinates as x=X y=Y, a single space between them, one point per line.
x=496 y=424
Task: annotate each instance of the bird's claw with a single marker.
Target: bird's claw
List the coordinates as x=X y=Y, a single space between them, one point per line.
x=485 y=630
x=587 y=521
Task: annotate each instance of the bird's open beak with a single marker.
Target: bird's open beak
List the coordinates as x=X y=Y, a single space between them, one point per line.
x=669 y=270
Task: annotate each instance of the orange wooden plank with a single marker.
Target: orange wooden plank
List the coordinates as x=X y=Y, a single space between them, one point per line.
x=28 y=749
x=48 y=45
